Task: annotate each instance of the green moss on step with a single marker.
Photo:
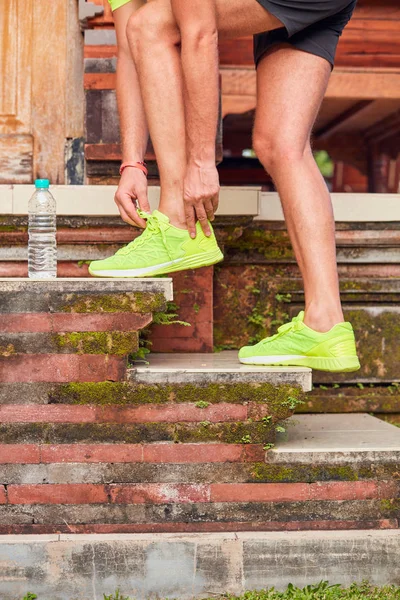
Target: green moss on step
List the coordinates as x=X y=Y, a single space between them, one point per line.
x=103 y=393
x=229 y=433
x=281 y=400
x=303 y=473
x=370 y=331
x=137 y=302
x=390 y=507
x=66 y=433
x=119 y=343
x=11 y=228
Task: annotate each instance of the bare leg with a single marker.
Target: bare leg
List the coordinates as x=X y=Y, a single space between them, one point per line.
x=287 y=105
x=154 y=40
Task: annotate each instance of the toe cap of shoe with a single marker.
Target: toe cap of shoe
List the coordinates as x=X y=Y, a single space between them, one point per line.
x=245 y=352
x=98 y=265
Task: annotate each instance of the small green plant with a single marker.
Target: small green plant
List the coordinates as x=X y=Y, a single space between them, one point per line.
x=267 y=419
x=268 y=446
x=205 y=423
x=116 y=596
x=202 y=404
x=292 y=402
x=80 y=265
x=246 y=439
x=196 y=308
x=283 y=298
x=168 y=317
x=360 y=385
x=280 y=429
x=29 y=596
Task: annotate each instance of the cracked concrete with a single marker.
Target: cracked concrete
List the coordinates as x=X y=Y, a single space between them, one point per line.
x=63 y=567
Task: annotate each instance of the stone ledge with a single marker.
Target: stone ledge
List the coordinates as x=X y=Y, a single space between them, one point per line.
x=220 y=368
x=191 y=565
x=98 y=199
x=69 y=285
x=336 y=438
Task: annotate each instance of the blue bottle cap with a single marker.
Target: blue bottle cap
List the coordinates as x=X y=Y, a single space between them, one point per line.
x=42 y=183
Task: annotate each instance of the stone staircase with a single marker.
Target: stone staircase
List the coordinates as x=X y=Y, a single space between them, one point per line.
x=180 y=477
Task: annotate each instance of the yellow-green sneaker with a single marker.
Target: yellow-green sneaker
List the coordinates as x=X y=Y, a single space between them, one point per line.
x=161 y=249
x=297 y=345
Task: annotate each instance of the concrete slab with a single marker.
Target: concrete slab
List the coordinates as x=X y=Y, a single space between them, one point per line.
x=347 y=207
x=6 y=197
x=336 y=438
x=89 y=285
x=222 y=367
x=192 y=565
x=98 y=199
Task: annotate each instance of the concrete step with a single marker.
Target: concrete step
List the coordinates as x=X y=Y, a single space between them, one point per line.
x=218 y=368
x=334 y=475
x=78 y=330
x=327 y=472
x=66 y=566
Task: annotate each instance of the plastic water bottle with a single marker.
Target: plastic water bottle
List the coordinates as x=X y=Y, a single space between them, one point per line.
x=42 y=247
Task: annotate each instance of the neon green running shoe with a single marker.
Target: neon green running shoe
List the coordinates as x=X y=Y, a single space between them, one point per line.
x=161 y=249
x=297 y=345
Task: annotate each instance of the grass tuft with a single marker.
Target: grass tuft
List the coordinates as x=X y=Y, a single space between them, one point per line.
x=320 y=591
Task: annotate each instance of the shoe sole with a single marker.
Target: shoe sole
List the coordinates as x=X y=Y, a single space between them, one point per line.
x=181 y=264
x=345 y=364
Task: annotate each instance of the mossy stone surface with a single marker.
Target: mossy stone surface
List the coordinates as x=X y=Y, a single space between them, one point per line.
x=118 y=343
x=65 y=433
x=308 y=473
x=137 y=302
x=281 y=400
x=242 y=432
x=352 y=398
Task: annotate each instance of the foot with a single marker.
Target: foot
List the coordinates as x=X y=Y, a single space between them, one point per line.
x=161 y=249
x=295 y=344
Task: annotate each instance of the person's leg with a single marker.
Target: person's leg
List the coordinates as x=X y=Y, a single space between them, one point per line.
x=291 y=85
x=154 y=40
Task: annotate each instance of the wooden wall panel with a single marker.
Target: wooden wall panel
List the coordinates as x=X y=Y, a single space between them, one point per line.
x=48 y=88
x=16 y=158
x=41 y=88
x=15 y=91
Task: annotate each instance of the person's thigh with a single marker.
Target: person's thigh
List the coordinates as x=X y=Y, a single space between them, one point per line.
x=236 y=18
x=290 y=87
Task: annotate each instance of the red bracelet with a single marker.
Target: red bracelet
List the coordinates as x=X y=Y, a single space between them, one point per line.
x=138 y=165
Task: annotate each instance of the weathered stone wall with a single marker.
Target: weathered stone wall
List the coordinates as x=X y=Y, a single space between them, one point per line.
x=258 y=287
x=86 y=445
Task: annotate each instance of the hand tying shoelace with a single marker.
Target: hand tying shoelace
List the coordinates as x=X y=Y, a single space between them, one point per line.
x=153 y=227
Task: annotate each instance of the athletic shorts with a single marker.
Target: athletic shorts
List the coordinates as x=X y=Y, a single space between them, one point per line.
x=314 y=26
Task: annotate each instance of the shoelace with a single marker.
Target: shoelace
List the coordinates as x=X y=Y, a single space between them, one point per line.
x=152 y=227
x=294 y=325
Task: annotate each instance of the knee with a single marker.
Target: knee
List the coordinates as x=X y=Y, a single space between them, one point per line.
x=149 y=26
x=276 y=150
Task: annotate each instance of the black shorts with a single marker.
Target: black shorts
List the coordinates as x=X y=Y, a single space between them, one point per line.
x=310 y=25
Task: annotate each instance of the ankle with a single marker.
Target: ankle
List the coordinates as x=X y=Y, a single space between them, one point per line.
x=176 y=217
x=323 y=318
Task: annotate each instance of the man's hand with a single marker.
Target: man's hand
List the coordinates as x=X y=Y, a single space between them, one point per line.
x=132 y=187
x=200 y=194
